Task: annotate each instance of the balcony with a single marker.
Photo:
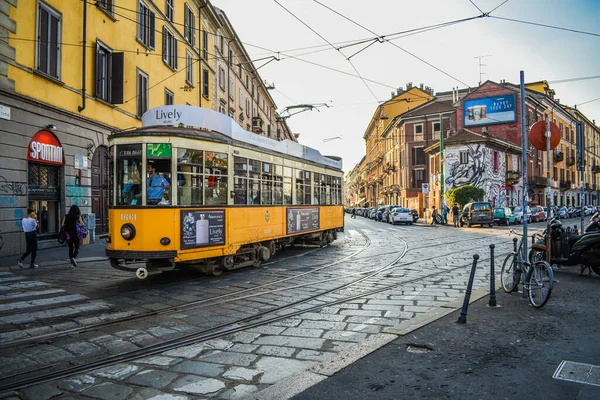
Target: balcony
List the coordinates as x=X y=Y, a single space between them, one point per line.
x=596 y=169
x=564 y=185
x=570 y=160
x=588 y=187
x=512 y=177
x=538 y=181
x=388 y=168
x=257 y=125
x=559 y=156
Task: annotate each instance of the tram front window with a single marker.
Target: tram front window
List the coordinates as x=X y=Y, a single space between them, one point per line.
x=129 y=162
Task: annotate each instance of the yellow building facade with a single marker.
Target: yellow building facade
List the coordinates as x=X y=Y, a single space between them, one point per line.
x=72 y=72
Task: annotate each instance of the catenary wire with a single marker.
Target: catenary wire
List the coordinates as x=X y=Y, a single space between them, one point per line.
x=545 y=25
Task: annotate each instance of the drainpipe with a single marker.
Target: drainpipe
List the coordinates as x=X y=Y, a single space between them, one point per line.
x=83 y=68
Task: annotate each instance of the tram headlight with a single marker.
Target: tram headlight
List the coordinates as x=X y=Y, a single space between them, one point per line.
x=128 y=232
x=165 y=241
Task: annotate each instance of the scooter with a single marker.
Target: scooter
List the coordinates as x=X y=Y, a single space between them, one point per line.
x=567 y=249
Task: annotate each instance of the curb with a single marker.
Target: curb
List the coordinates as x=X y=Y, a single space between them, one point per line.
x=295 y=384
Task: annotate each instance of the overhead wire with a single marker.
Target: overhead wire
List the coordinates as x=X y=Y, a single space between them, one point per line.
x=329 y=43
x=546 y=26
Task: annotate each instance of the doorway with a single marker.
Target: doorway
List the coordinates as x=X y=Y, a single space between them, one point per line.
x=100 y=186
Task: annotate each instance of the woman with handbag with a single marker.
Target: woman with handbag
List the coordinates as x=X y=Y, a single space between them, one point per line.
x=69 y=224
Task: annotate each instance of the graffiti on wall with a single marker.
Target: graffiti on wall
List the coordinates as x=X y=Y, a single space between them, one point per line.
x=478 y=171
x=12 y=188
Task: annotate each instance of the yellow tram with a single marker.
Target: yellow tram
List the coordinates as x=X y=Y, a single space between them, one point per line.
x=191 y=188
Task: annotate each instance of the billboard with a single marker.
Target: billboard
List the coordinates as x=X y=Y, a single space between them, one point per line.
x=490 y=110
x=202 y=228
x=302 y=220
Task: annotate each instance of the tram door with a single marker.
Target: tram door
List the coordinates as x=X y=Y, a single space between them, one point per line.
x=100 y=189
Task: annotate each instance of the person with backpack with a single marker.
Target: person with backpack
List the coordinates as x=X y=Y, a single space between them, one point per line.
x=354 y=212
x=69 y=224
x=434 y=215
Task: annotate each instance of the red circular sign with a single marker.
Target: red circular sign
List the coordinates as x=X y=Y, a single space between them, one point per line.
x=537 y=135
x=45 y=147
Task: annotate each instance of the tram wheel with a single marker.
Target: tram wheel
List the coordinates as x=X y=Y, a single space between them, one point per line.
x=216 y=271
x=227 y=262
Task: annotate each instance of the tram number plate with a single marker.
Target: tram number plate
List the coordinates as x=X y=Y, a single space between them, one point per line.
x=202 y=228
x=302 y=219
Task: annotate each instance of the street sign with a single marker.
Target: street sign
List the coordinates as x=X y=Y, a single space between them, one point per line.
x=425 y=188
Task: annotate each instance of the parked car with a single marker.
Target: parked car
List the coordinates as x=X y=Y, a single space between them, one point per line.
x=373 y=213
x=401 y=215
x=477 y=213
x=386 y=213
x=518 y=213
x=563 y=213
x=537 y=214
x=504 y=215
x=379 y=214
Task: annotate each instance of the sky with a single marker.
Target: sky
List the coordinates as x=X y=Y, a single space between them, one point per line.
x=441 y=58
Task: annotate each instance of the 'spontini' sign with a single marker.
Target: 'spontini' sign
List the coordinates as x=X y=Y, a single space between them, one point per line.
x=44 y=147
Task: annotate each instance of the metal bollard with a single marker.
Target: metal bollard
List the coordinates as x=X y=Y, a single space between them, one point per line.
x=515 y=240
x=533 y=239
x=462 y=319
x=492 y=302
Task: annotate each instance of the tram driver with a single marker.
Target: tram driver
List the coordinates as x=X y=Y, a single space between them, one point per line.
x=156 y=186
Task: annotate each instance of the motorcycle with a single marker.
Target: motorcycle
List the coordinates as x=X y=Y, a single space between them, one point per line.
x=569 y=249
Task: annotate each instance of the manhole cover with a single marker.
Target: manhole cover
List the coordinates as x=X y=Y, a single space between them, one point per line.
x=570 y=371
x=418 y=348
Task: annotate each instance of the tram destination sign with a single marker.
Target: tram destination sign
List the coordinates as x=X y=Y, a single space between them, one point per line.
x=201 y=228
x=302 y=220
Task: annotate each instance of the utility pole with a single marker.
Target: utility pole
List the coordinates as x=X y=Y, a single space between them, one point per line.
x=524 y=163
x=481 y=65
x=442 y=163
x=580 y=137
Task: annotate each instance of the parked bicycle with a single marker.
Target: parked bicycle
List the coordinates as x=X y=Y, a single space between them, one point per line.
x=538 y=278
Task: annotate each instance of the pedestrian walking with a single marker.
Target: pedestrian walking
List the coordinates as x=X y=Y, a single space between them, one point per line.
x=29 y=225
x=69 y=224
x=354 y=212
x=434 y=214
x=455 y=212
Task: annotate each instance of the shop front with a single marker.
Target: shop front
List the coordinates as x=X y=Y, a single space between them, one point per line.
x=45 y=160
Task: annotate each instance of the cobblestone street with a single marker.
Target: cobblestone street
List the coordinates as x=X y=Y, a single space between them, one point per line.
x=248 y=332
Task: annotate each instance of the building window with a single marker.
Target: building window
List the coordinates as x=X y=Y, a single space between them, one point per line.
x=418 y=133
x=221 y=78
x=109 y=75
x=230 y=57
x=49 y=37
x=418 y=156
x=222 y=45
x=189 y=26
x=146 y=26
x=464 y=157
x=169 y=49
x=247 y=107
x=418 y=178
x=436 y=130
x=496 y=161
x=205 y=45
x=231 y=89
x=189 y=68
x=142 y=92
x=205 y=83
x=169 y=97
x=106 y=5
x=241 y=103
x=222 y=109
x=103 y=72
x=169 y=10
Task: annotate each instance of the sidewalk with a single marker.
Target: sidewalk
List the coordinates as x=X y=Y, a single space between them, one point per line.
x=58 y=255
x=510 y=351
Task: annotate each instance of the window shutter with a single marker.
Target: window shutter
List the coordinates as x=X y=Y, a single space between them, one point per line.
x=174 y=53
x=116 y=82
x=164 y=44
x=43 y=41
x=98 y=69
x=186 y=23
x=151 y=29
x=193 y=31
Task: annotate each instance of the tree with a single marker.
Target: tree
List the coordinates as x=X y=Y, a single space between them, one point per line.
x=464 y=194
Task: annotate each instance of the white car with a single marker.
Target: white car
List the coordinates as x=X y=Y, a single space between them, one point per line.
x=402 y=215
x=518 y=213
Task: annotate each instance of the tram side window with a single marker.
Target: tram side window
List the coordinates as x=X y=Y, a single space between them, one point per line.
x=266 y=188
x=129 y=172
x=254 y=173
x=215 y=178
x=240 y=180
x=329 y=189
x=336 y=191
x=303 y=179
x=287 y=185
x=320 y=197
x=189 y=177
x=278 y=184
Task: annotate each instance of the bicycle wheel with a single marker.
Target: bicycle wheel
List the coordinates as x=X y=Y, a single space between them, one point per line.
x=510 y=274
x=541 y=280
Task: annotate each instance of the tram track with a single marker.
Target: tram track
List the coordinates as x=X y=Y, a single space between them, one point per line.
x=231 y=297
x=23 y=380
